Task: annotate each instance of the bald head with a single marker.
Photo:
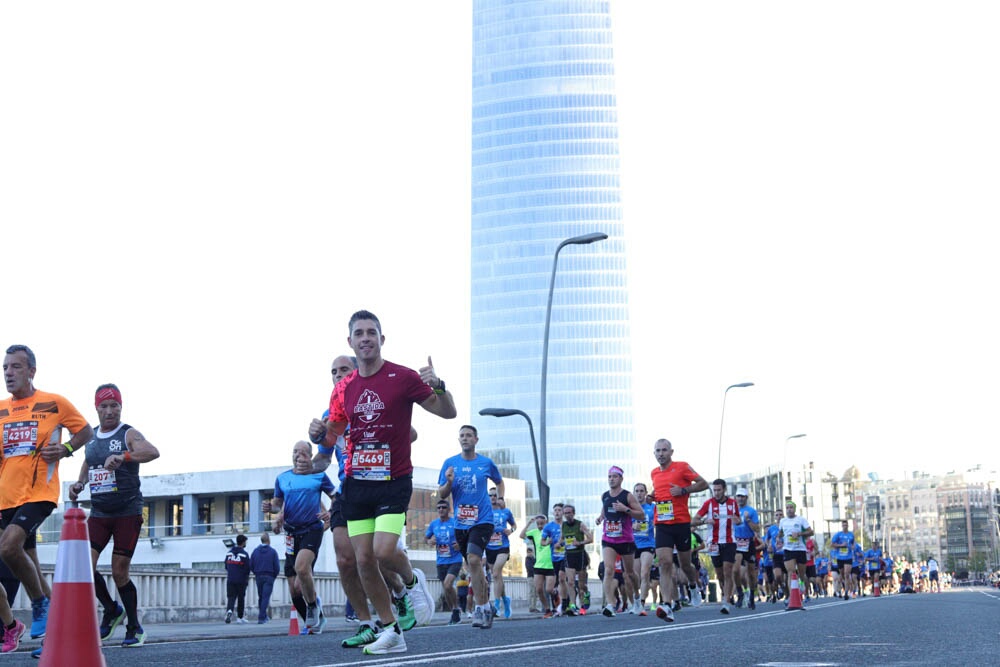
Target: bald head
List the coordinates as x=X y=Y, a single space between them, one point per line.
x=342 y=367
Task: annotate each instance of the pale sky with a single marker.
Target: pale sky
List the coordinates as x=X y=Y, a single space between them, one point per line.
x=195 y=196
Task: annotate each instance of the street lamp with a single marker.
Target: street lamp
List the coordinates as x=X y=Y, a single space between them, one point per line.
x=718 y=472
x=784 y=462
x=543 y=487
x=584 y=239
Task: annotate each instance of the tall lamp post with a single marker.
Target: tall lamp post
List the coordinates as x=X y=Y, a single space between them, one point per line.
x=784 y=463
x=584 y=239
x=718 y=471
x=543 y=486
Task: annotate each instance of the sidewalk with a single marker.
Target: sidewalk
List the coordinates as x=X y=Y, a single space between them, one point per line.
x=177 y=632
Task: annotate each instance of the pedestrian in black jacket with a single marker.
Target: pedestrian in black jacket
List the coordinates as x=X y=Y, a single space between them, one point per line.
x=237 y=578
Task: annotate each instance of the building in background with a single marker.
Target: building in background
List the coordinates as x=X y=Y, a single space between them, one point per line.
x=545 y=167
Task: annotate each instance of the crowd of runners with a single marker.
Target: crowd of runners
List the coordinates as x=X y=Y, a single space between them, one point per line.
x=651 y=543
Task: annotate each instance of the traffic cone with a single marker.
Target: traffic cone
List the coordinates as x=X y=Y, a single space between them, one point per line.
x=876 y=589
x=72 y=636
x=794 y=594
x=293 y=622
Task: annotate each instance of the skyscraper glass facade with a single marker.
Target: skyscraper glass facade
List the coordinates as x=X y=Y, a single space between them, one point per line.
x=545 y=167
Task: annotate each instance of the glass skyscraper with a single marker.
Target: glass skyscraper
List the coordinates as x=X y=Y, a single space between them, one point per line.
x=545 y=167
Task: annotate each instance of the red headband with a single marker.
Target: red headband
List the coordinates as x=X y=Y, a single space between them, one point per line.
x=107 y=394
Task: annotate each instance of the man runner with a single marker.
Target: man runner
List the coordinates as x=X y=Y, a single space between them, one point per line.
x=645 y=543
x=723 y=514
x=464 y=478
x=498 y=550
x=673 y=481
x=440 y=534
x=746 y=556
x=376 y=402
x=32 y=423
x=111 y=469
x=576 y=535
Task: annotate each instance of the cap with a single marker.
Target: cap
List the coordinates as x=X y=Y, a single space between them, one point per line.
x=742 y=491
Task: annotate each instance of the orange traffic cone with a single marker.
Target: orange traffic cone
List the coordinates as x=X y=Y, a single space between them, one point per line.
x=794 y=594
x=293 y=623
x=876 y=589
x=72 y=636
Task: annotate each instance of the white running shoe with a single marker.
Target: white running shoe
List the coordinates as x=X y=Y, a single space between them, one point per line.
x=388 y=641
x=608 y=610
x=696 y=599
x=420 y=596
x=725 y=609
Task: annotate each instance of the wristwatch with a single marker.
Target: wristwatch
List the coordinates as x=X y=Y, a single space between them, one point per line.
x=440 y=390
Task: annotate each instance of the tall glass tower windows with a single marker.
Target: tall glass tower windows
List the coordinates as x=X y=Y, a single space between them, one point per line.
x=545 y=168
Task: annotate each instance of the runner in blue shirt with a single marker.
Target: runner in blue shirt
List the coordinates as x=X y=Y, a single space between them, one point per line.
x=858 y=565
x=498 y=550
x=746 y=557
x=873 y=564
x=552 y=535
x=645 y=543
x=297 y=499
x=441 y=534
x=842 y=549
x=776 y=546
x=464 y=478
x=822 y=572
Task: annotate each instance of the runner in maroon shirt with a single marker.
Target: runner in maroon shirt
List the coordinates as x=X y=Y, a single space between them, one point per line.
x=377 y=401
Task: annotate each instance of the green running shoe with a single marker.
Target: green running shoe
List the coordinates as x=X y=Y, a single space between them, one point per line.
x=364 y=636
x=404 y=611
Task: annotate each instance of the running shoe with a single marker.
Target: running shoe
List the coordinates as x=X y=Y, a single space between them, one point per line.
x=39 y=617
x=12 y=637
x=423 y=603
x=664 y=612
x=725 y=609
x=364 y=636
x=506 y=607
x=111 y=620
x=488 y=615
x=37 y=653
x=318 y=628
x=229 y=616
x=571 y=610
x=642 y=611
x=558 y=612
x=477 y=618
x=751 y=604
x=404 y=613
x=608 y=611
x=243 y=621
x=134 y=637
x=696 y=599
x=456 y=617
x=677 y=606
x=547 y=614
x=739 y=600
x=586 y=600
x=388 y=641
x=312 y=614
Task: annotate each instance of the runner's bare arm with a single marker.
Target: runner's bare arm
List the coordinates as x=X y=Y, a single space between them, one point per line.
x=53 y=452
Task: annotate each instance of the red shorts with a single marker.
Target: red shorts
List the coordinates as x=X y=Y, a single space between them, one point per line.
x=124 y=530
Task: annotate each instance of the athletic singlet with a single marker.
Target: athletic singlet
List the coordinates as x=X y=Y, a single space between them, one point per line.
x=617 y=525
x=112 y=492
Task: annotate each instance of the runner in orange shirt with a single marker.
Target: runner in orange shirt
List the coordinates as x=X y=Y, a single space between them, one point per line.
x=32 y=423
x=673 y=482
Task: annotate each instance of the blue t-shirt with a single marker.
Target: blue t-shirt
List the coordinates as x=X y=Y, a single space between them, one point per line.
x=858 y=557
x=469 y=492
x=872 y=559
x=743 y=531
x=444 y=537
x=773 y=541
x=300 y=495
x=822 y=565
x=501 y=519
x=642 y=529
x=553 y=531
x=842 y=545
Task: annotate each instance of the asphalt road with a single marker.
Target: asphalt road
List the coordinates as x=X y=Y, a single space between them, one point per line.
x=952 y=628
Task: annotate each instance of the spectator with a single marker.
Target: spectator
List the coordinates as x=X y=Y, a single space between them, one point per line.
x=237 y=578
x=265 y=568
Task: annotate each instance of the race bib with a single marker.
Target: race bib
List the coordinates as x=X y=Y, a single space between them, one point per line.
x=640 y=526
x=612 y=528
x=843 y=551
x=496 y=540
x=444 y=550
x=19 y=438
x=570 y=542
x=559 y=549
x=372 y=461
x=102 y=481
x=665 y=510
x=289 y=545
x=743 y=544
x=468 y=513
x=713 y=549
